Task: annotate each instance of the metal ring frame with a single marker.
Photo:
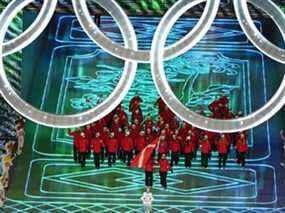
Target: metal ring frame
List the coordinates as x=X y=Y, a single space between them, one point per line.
x=155 y=57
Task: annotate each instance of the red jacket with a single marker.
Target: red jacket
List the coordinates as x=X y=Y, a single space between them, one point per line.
x=140 y=143
x=137 y=115
x=149 y=123
x=96 y=145
x=150 y=138
x=175 y=145
x=135 y=129
x=189 y=146
x=76 y=136
x=112 y=145
x=127 y=144
x=83 y=144
x=223 y=146
x=242 y=145
x=164 y=165
x=174 y=123
x=163 y=147
x=149 y=166
x=134 y=103
x=205 y=147
x=88 y=133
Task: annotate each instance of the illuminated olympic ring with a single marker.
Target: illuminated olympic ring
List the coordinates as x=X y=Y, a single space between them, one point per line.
x=143 y=56
x=252 y=32
x=232 y=125
x=33 y=31
x=65 y=121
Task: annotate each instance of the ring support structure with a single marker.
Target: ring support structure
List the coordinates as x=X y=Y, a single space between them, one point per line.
x=156 y=56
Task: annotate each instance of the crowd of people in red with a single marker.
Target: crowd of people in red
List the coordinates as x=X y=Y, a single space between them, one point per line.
x=116 y=136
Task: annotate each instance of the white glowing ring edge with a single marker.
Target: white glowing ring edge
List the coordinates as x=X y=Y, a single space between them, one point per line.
x=33 y=31
x=252 y=32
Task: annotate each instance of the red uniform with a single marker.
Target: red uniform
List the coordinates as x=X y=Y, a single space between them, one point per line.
x=135 y=129
x=76 y=136
x=189 y=146
x=96 y=145
x=174 y=123
x=175 y=145
x=140 y=143
x=205 y=147
x=149 y=166
x=223 y=146
x=127 y=144
x=112 y=145
x=163 y=147
x=164 y=165
x=150 y=138
x=134 y=103
x=83 y=144
x=137 y=115
x=242 y=145
x=149 y=123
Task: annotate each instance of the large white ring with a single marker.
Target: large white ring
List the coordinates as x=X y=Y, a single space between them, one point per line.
x=160 y=79
x=143 y=56
x=65 y=121
x=252 y=32
x=33 y=31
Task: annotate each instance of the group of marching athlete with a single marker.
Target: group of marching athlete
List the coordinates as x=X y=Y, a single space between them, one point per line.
x=117 y=137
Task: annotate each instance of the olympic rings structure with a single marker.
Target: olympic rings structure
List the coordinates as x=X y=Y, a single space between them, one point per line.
x=132 y=56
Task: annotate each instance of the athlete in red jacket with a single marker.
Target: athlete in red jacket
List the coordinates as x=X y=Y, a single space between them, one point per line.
x=127 y=146
x=76 y=135
x=223 y=148
x=137 y=115
x=96 y=145
x=175 y=150
x=205 y=151
x=83 y=148
x=242 y=149
x=164 y=168
x=189 y=150
x=112 y=148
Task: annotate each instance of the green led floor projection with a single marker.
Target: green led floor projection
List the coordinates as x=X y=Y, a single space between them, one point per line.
x=77 y=75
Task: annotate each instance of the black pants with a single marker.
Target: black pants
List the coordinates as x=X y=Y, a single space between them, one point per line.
x=163 y=176
x=111 y=158
x=127 y=156
x=97 y=159
x=148 y=178
x=205 y=159
x=75 y=154
x=82 y=158
x=88 y=154
x=222 y=160
x=174 y=158
x=102 y=154
x=188 y=159
x=241 y=158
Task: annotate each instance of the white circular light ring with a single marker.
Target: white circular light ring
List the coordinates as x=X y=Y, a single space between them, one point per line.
x=64 y=121
x=252 y=32
x=165 y=91
x=33 y=31
x=143 y=56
